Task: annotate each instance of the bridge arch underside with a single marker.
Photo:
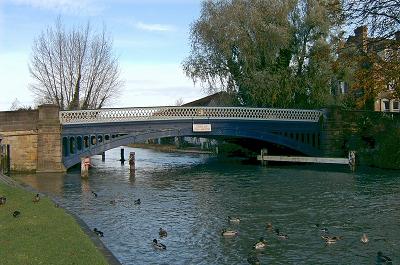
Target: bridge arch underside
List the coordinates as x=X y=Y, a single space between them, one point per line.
x=91 y=139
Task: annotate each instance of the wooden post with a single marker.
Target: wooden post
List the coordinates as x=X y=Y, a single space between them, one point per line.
x=122 y=156
x=103 y=156
x=264 y=152
x=85 y=164
x=352 y=160
x=132 y=164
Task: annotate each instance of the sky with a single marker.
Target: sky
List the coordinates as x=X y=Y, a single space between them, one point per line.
x=150 y=38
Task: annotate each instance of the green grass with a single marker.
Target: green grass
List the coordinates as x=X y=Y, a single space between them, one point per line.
x=42 y=234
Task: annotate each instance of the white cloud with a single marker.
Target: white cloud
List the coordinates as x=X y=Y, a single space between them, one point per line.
x=154 y=27
x=156 y=85
x=84 y=7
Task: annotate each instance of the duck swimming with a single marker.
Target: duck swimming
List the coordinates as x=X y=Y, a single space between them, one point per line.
x=281 y=236
x=158 y=245
x=36 y=198
x=162 y=233
x=380 y=258
x=233 y=220
x=229 y=233
x=94 y=193
x=269 y=226
x=137 y=202
x=331 y=239
x=364 y=238
x=98 y=232
x=3 y=200
x=322 y=229
x=261 y=244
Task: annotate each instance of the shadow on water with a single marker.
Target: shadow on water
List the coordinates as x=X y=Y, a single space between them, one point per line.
x=191 y=195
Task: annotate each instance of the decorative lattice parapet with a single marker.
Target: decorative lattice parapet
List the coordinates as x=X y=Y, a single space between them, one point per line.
x=177 y=113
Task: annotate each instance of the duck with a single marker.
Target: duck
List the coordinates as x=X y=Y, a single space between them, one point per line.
x=3 y=200
x=94 y=193
x=331 y=239
x=281 y=236
x=159 y=245
x=233 y=220
x=16 y=213
x=321 y=229
x=36 y=198
x=364 y=238
x=261 y=244
x=162 y=232
x=98 y=232
x=113 y=202
x=380 y=258
x=229 y=233
x=137 y=202
x=269 y=226
x=253 y=260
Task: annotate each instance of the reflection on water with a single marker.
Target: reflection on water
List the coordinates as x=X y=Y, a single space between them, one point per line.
x=191 y=196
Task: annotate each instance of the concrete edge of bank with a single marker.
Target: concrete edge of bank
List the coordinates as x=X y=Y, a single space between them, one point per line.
x=111 y=259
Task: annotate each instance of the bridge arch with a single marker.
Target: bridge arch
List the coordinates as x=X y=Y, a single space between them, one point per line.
x=300 y=137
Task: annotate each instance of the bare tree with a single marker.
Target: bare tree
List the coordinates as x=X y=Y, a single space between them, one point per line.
x=381 y=16
x=74 y=69
x=179 y=102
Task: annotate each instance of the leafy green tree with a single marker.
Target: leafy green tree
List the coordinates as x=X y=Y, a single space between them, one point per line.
x=268 y=53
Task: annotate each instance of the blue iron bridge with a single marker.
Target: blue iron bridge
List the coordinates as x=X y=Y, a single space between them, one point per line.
x=91 y=132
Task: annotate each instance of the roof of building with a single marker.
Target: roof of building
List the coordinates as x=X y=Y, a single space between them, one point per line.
x=219 y=99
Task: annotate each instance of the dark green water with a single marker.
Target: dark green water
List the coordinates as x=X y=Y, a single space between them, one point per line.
x=191 y=196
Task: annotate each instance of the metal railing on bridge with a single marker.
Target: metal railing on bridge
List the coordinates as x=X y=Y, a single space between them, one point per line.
x=176 y=113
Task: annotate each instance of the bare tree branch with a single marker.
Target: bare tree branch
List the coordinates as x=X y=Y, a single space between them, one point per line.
x=74 y=69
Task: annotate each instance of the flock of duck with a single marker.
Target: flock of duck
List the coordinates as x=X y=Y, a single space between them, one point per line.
x=261 y=244
x=17 y=213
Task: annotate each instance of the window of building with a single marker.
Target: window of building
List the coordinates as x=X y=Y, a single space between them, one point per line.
x=385 y=105
x=396 y=105
x=391 y=85
x=344 y=87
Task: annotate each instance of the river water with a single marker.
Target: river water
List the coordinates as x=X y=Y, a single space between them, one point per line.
x=191 y=196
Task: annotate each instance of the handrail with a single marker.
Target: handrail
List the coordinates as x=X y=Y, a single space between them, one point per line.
x=182 y=113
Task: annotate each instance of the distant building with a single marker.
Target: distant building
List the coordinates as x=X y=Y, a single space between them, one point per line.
x=219 y=99
x=381 y=50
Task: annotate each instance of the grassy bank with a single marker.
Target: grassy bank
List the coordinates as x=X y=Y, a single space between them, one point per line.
x=42 y=233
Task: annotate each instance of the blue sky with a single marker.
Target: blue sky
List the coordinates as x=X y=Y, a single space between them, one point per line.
x=151 y=39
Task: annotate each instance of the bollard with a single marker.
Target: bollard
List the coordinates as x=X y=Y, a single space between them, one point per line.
x=132 y=164
x=264 y=152
x=85 y=164
x=103 y=156
x=122 y=156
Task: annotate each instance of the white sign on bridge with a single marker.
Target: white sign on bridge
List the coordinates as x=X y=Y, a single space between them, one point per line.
x=201 y=127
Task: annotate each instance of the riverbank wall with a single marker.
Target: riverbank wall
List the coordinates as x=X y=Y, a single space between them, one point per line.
x=375 y=136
